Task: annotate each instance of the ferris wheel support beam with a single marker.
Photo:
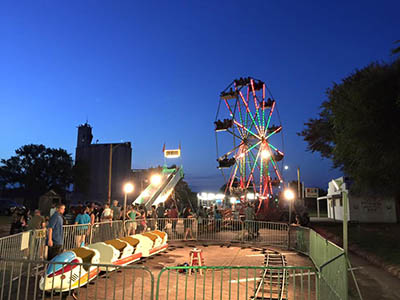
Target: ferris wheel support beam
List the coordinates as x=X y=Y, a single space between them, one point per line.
x=270 y=114
x=272 y=133
x=276 y=169
x=232 y=115
x=249 y=112
x=240 y=115
x=256 y=104
x=252 y=170
x=249 y=131
x=234 y=134
x=280 y=152
x=233 y=176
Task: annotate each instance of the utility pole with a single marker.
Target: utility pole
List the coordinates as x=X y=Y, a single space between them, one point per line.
x=345 y=236
x=298 y=184
x=109 y=175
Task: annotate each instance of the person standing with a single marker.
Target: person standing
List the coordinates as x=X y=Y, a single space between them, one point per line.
x=153 y=217
x=107 y=214
x=142 y=218
x=160 y=216
x=116 y=211
x=249 y=221
x=132 y=215
x=55 y=237
x=37 y=224
x=187 y=222
x=37 y=221
x=81 y=219
x=53 y=209
x=173 y=214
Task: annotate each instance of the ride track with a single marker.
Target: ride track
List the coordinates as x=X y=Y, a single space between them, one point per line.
x=274 y=282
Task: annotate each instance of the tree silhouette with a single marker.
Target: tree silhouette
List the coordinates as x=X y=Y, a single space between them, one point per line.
x=36 y=169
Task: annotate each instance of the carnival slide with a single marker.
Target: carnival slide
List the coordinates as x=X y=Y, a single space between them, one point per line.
x=158 y=193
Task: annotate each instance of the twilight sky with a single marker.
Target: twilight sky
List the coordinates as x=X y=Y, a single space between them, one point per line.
x=150 y=72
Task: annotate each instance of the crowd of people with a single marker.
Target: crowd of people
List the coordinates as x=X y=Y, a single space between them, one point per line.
x=141 y=220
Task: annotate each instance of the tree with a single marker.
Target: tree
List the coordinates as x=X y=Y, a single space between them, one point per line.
x=36 y=169
x=185 y=196
x=358 y=128
x=81 y=177
x=397 y=49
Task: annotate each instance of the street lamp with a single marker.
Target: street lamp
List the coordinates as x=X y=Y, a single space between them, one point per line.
x=289 y=195
x=128 y=188
x=155 y=179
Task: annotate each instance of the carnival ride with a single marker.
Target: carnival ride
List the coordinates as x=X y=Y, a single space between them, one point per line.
x=65 y=272
x=249 y=136
x=160 y=191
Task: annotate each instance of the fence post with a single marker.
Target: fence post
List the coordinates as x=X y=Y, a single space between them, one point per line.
x=91 y=233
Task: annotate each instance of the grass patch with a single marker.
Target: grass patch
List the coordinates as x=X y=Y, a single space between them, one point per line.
x=378 y=239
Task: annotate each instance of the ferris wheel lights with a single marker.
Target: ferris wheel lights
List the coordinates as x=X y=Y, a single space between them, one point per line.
x=250 y=196
x=252 y=125
x=274 y=129
x=265 y=154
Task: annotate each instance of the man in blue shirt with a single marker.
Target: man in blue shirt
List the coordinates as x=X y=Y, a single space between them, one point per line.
x=55 y=236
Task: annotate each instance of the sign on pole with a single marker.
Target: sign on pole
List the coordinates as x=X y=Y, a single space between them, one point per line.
x=172 y=153
x=311 y=192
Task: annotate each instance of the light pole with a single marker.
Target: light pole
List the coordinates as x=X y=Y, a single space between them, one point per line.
x=289 y=195
x=128 y=188
x=110 y=172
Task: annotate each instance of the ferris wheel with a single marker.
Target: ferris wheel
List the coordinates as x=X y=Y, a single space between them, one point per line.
x=249 y=140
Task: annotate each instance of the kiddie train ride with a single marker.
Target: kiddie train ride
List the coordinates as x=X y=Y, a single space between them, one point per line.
x=66 y=272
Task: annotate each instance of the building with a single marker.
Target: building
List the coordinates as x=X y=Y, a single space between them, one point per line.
x=98 y=160
x=366 y=209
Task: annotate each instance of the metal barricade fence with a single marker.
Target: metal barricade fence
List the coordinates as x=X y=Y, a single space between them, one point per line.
x=72 y=235
x=331 y=262
x=237 y=283
x=15 y=246
x=37 y=244
x=268 y=233
x=175 y=228
x=102 y=231
x=23 y=280
x=224 y=230
x=299 y=239
x=179 y=228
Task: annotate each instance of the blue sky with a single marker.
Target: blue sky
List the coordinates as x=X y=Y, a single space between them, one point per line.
x=150 y=72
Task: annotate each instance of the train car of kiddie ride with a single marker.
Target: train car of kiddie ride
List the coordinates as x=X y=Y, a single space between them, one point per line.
x=153 y=242
x=74 y=268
